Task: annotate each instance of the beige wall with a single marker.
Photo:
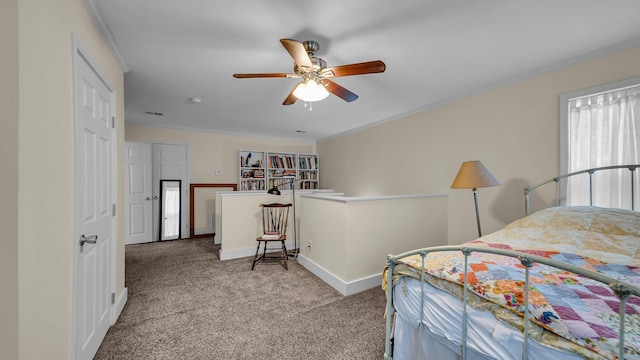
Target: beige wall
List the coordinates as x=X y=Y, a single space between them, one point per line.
x=45 y=171
x=210 y=151
x=9 y=163
x=513 y=130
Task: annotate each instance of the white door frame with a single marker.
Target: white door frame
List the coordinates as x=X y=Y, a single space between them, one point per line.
x=184 y=230
x=78 y=48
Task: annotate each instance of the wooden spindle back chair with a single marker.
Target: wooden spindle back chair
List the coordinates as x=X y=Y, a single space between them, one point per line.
x=275 y=218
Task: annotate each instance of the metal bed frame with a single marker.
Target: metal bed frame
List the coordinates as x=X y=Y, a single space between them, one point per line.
x=621 y=290
x=528 y=190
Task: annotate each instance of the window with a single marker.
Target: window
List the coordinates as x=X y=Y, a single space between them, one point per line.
x=601 y=127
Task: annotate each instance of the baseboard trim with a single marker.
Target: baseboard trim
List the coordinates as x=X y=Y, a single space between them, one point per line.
x=217 y=239
x=236 y=253
x=246 y=252
x=344 y=288
x=119 y=305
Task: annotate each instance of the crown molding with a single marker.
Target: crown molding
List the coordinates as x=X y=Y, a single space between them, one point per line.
x=96 y=14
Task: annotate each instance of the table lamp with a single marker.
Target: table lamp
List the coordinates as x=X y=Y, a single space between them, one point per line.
x=473 y=175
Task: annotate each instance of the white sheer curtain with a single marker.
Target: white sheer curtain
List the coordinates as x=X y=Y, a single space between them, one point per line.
x=171 y=212
x=604 y=130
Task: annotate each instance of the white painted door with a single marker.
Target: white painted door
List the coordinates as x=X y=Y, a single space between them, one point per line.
x=93 y=213
x=138 y=195
x=169 y=163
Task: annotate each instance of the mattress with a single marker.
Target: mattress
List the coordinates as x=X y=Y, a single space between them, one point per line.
x=572 y=315
x=440 y=336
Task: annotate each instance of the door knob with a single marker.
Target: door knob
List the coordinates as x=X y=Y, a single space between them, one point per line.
x=88 y=239
x=155 y=197
x=148 y=198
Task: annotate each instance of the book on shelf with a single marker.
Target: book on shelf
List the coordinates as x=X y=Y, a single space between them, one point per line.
x=282 y=173
x=308 y=185
x=308 y=175
x=282 y=162
x=252 y=184
x=258 y=173
x=308 y=163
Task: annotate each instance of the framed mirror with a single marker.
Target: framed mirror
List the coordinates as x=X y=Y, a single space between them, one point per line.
x=170 y=209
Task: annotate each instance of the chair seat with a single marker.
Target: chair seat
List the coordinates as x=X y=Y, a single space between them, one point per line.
x=279 y=238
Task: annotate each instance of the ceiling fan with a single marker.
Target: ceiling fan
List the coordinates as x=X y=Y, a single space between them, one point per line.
x=315 y=74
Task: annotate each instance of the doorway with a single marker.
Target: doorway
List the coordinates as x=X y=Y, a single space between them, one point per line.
x=169 y=162
x=165 y=165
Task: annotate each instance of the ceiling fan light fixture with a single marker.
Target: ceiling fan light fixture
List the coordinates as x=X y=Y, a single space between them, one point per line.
x=310 y=91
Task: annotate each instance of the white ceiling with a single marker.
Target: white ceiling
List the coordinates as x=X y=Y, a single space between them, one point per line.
x=435 y=51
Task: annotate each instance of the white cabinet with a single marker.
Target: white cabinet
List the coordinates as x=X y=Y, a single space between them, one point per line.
x=252 y=170
x=261 y=170
x=281 y=170
x=308 y=171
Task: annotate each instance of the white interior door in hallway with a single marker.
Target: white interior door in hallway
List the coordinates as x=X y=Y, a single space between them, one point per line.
x=94 y=203
x=169 y=162
x=138 y=199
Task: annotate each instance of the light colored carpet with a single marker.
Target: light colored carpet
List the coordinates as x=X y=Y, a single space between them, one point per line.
x=184 y=303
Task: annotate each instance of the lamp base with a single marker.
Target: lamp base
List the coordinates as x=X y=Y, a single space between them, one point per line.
x=475 y=199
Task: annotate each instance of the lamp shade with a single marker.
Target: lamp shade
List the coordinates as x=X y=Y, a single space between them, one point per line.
x=310 y=91
x=472 y=175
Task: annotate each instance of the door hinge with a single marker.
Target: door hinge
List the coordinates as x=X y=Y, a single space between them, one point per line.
x=113 y=122
x=113 y=210
x=113 y=298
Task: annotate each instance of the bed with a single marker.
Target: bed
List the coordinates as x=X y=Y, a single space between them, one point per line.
x=576 y=270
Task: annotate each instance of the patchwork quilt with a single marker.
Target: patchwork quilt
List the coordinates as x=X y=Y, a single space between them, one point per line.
x=583 y=313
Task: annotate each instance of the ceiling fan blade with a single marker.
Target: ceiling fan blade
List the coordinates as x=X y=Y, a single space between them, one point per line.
x=298 y=53
x=265 y=75
x=291 y=99
x=368 y=67
x=339 y=91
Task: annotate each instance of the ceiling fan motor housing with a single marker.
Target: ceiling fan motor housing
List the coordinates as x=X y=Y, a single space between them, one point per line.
x=318 y=64
x=311 y=46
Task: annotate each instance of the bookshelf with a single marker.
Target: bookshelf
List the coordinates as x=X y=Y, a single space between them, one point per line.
x=262 y=170
x=281 y=169
x=252 y=170
x=308 y=169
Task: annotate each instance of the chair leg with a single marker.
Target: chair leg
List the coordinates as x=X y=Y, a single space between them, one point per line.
x=264 y=251
x=255 y=258
x=285 y=256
